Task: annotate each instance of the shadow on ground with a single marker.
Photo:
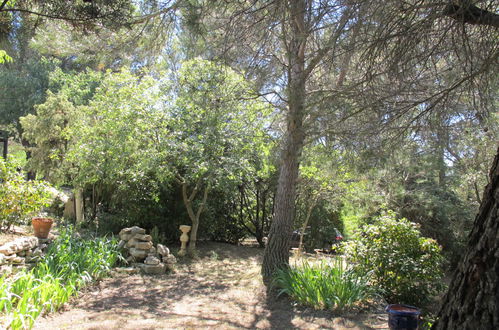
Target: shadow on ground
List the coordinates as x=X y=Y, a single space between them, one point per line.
x=223 y=289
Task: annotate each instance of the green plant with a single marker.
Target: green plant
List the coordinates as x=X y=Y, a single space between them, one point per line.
x=19 y=199
x=406 y=267
x=71 y=263
x=323 y=286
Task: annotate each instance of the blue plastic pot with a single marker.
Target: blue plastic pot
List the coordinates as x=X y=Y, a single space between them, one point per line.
x=402 y=317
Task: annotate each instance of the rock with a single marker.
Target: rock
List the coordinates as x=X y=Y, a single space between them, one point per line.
x=131 y=243
x=6 y=270
x=125 y=237
x=125 y=231
x=121 y=244
x=10 y=257
x=7 y=249
x=18 y=245
x=138 y=254
x=154 y=269
x=137 y=230
x=17 y=260
x=170 y=260
x=142 y=237
x=163 y=250
x=127 y=270
x=170 y=267
x=37 y=252
x=152 y=250
x=151 y=260
x=2 y=259
x=143 y=245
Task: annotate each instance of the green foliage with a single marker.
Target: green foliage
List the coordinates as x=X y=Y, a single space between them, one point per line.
x=323 y=286
x=4 y=57
x=25 y=86
x=406 y=267
x=19 y=199
x=70 y=264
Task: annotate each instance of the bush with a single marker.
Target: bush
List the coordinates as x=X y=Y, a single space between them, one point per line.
x=19 y=199
x=323 y=286
x=406 y=267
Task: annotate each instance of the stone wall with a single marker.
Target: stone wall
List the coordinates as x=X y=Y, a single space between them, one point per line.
x=140 y=252
x=23 y=252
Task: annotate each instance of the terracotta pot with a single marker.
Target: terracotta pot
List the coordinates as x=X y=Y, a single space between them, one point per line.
x=42 y=226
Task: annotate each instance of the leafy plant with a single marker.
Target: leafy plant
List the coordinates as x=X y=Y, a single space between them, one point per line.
x=405 y=266
x=323 y=286
x=70 y=264
x=19 y=199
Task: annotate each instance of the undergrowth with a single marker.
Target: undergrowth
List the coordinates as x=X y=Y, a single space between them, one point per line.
x=70 y=264
x=328 y=285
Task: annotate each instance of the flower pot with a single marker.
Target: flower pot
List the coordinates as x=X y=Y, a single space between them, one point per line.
x=402 y=317
x=42 y=226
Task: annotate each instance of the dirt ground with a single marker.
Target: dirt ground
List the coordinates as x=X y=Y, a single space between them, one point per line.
x=222 y=290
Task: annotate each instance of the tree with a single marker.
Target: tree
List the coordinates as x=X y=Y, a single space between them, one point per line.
x=216 y=122
x=471 y=301
x=312 y=55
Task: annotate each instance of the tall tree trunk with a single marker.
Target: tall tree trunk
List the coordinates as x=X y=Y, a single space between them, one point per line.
x=277 y=250
x=472 y=301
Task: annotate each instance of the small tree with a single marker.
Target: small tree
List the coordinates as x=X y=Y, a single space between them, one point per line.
x=405 y=266
x=216 y=122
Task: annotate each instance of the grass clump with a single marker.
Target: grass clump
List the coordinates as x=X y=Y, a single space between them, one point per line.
x=70 y=264
x=323 y=286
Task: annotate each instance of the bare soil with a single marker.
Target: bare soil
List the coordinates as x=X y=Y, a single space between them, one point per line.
x=220 y=290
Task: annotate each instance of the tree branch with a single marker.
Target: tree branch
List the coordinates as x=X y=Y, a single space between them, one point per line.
x=465 y=12
x=3 y=4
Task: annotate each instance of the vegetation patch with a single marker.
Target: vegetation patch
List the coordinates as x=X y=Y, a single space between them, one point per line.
x=404 y=266
x=70 y=264
x=327 y=285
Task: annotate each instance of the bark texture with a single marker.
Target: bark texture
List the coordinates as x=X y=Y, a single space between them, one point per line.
x=277 y=251
x=472 y=301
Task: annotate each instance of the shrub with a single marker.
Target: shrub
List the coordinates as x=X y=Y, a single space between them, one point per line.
x=323 y=286
x=19 y=199
x=406 y=267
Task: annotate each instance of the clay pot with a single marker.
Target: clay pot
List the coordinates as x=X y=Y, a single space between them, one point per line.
x=42 y=226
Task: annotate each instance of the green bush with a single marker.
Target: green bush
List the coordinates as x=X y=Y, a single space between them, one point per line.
x=70 y=264
x=19 y=199
x=323 y=286
x=406 y=267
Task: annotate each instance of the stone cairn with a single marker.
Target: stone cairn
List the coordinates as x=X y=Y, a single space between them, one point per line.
x=23 y=252
x=142 y=254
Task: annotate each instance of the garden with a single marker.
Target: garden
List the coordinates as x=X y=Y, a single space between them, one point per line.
x=222 y=164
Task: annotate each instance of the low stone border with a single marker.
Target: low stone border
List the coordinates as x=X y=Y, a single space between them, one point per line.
x=23 y=252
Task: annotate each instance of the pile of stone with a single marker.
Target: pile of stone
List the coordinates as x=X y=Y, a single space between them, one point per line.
x=23 y=252
x=142 y=254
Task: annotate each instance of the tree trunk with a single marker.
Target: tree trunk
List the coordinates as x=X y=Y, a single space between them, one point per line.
x=79 y=205
x=277 y=250
x=194 y=216
x=472 y=301
x=305 y=223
